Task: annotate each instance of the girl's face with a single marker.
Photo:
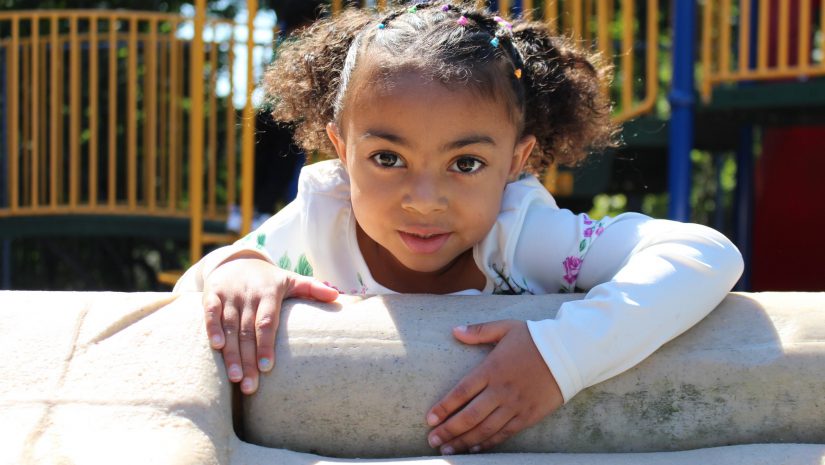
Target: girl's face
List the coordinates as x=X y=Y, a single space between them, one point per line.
x=427 y=166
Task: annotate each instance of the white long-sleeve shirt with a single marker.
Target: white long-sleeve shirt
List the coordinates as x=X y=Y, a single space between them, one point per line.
x=649 y=280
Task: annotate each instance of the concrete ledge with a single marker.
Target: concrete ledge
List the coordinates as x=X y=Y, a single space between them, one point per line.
x=101 y=378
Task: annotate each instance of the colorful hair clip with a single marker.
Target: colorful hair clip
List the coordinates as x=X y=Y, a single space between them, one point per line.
x=517 y=72
x=503 y=22
x=412 y=9
x=445 y=7
x=494 y=42
x=463 y=21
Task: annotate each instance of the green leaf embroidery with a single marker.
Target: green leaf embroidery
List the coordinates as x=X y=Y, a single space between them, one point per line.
x=303 y=268
x=582 y=245
x=261 y=241
x=360 y=279
x=284 y=262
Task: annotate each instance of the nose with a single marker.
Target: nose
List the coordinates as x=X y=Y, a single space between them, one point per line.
x=424 y=194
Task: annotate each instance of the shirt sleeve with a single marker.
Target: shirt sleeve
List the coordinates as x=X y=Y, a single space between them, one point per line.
x=274 y=241
x=649 y=280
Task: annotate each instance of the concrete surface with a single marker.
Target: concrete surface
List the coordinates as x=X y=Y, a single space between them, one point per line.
x=94 y=378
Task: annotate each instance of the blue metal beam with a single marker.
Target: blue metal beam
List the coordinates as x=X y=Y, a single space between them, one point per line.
x=682 y=103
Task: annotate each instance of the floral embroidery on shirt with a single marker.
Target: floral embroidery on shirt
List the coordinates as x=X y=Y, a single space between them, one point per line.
x=506 y=285
x=303 y=267
x=572 y=264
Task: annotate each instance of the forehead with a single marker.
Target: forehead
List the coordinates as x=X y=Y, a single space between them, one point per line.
x=414 y=104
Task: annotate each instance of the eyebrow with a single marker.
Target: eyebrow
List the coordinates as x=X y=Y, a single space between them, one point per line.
x=453 y=145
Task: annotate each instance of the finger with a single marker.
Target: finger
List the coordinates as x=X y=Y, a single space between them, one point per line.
x=248 y=346
x=462 y=393
x=470 y=416
x=309 y=288
x=212 y=309
x=483 y=333
x=516 y=424
x=231 y=354
x=472 y=440
x=266 y=327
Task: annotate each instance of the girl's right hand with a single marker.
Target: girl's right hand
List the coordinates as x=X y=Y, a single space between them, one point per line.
x=242 y=305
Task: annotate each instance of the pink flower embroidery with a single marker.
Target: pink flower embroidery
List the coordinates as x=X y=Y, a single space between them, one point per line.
x=571 y=269
x=599 y=231
x=589 y=232
x=587 y=219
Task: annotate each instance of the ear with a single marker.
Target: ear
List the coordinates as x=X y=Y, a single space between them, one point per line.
x=521 y=153
x=334 y=135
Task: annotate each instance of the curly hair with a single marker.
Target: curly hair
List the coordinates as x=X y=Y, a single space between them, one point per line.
x=554 y=90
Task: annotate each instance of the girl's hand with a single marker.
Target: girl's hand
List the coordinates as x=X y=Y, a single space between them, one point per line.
x=510 y=390
x=242 y=305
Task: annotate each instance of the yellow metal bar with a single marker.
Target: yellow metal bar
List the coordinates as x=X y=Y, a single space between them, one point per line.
x=55 y=112
x=707 y=62
x=724 y=40
x=131 y=115
x=231 y=150
x=74 y=112
x=196 y=133
x=627 y=53
x=763 y=35
x=163 y=103
x=551 y=15
x=61 y=122
x=381 y=4
x=112 y=187
x=179 y=147
x=337 y=6
x=504 y=8
x=603 y=35
x=94 y=47
x=24 y=111
x=652 y=66
x=173 y=117
x=577 y=20
x=804 y=50
x=247 y=160
x=212 y=147
x=35 y=113
x=769 y=74
x=527 y=9
x=586 y=25
x=784 y=26
x=14 y=148
x=44 y=118
x=151 y=109
x=82 y=13
x=744 y=34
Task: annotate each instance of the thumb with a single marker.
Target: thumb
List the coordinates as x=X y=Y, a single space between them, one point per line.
x=483 y=333
x=309 y=288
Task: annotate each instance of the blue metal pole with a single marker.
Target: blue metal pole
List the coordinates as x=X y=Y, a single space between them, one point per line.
x=682 y=103
x=516 y=8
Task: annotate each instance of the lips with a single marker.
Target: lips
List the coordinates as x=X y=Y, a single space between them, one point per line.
x=424 y=242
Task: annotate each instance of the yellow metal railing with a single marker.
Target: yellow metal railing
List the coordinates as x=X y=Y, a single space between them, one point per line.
x=790 y=41
x=100 y=113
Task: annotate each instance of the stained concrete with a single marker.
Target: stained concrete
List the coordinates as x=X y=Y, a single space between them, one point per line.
x=129 y=378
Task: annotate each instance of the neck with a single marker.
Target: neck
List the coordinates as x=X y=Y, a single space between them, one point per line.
x=459 y=275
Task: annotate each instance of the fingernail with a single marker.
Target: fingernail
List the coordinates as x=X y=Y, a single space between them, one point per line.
x=447 y=450
x=235 y=372
x=247 y=385
x=264 y=364
x=217 y=340
x=475 y=449
x=432 y=419
x=435 y=441
x=461 y=329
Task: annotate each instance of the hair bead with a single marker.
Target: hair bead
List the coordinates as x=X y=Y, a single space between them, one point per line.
x=463 y=21
x=445 y=7
x=494 y=42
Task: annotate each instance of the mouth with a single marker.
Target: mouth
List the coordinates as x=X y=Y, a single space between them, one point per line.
x=424 y=242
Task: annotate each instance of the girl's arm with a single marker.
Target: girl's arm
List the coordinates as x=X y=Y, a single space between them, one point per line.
x=649 y=280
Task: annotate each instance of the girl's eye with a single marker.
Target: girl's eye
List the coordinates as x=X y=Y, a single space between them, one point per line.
x=388 y=160
x=467 y=165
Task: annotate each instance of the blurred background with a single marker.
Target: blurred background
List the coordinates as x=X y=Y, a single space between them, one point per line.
x=132 y=139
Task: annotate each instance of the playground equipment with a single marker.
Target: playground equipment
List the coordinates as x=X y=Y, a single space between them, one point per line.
x=100 y=136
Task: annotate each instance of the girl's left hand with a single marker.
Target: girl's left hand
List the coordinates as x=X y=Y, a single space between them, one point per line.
x=510 y=390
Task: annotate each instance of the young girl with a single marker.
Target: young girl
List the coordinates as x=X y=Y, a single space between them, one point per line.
x=437 y=113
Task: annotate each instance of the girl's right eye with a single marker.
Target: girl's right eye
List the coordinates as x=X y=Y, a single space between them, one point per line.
x=388 y=160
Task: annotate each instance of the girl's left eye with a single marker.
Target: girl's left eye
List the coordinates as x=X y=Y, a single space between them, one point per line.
x=467 y=165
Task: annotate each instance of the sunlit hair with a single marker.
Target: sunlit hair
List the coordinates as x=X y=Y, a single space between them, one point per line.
x=553 y=90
